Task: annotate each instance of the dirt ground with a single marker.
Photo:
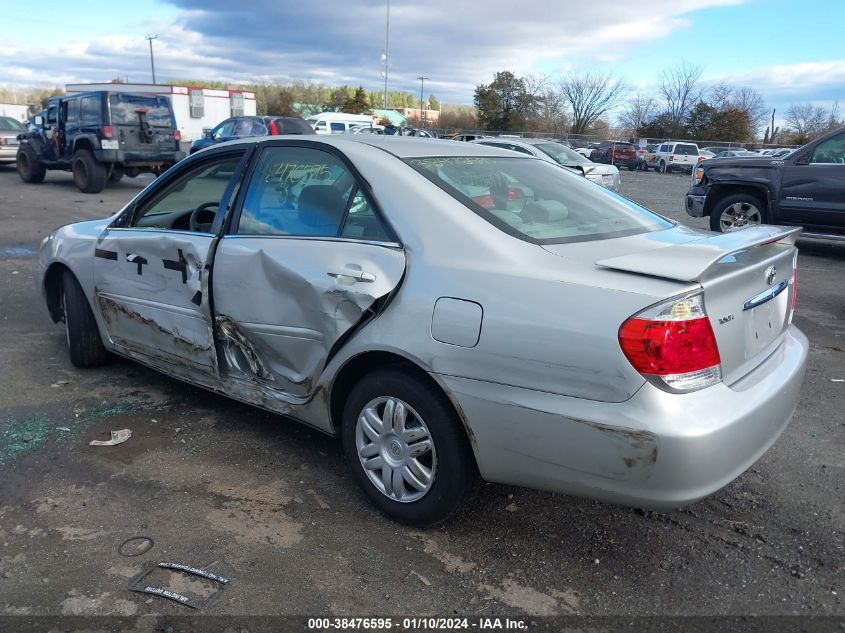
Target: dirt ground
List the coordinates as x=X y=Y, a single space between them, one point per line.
x=269 y=504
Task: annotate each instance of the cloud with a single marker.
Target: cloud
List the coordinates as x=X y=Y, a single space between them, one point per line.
x=456 y=44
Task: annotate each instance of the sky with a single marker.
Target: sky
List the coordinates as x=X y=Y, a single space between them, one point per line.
x=789 y=51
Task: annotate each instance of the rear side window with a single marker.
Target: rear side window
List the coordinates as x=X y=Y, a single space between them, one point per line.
x=535 y=200
x=306 y=192
x=90 y=110
x=72 y=115
x=338 y=128
x=127 y=109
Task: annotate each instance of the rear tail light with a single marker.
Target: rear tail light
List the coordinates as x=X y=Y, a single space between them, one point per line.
x=274 y=128
x=794 y=287
x=671 y=157
x=485 y=201
x=108 y=131
x=177 y=135
x=673 y=345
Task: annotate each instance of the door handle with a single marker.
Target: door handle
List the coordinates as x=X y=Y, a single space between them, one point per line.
x=354 y=273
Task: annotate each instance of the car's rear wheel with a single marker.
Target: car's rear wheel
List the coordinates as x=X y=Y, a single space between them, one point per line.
x=88 y=175
x=737 y=212
x=407 y=448
x=30 y=169
x=84 y=344
x=662 y=167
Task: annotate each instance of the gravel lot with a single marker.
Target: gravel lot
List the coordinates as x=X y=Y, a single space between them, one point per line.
x=269 y=503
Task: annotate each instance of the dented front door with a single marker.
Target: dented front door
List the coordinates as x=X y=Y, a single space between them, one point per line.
x=150 y=293
x=306 y=262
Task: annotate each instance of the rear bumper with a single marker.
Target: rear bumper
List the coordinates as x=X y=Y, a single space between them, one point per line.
x=138 y=157
x=657 y=450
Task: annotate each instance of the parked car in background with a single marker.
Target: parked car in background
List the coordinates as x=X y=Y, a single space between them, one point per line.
x=367 y=129
x=587 y=151
x=642 y=154
x=553 y=152
x=448 y=311
x=419 y=132
x=466 y=138
x=674 y=156
x=243 y=126
x=615 y=153
x=101 y=136
x=718 y=150
x=337 y=122
x=738 y=153
x=9 y=130
x=781 y=152
x=804 y=189
x=703 y=154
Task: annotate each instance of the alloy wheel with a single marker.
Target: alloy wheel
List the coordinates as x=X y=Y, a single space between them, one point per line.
x=738 y=216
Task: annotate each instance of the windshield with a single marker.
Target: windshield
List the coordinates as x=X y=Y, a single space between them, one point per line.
x=8 y=123
x=124 y=110
x=535 y=200
x=562 y=154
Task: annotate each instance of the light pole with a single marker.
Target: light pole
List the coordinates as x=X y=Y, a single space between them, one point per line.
x=152 y=61
x=422 y=83
x=386 y=56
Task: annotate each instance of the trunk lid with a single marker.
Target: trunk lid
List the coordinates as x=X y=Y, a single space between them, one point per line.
x=747 y=277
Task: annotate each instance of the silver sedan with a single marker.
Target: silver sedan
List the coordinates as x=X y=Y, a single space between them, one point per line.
x=557 y=153
x=450 y=311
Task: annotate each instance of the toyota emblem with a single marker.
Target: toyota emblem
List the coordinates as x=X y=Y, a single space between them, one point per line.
x=771 y=273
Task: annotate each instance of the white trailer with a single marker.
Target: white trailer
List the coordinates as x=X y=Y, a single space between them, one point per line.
x=16 y=111
x=196 y=109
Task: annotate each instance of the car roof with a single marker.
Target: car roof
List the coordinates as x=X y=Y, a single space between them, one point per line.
x=401 y=147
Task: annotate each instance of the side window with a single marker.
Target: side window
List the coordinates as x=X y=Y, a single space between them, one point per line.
x=243 y=127
x=192 y=201
x=321 y=125
x=52 y=111
x=258 y=128
x=224 y=129
x=305 y=192
x=830 y=151
x=89 y=110
x=361 y=221
x=72 y=115
x=338 y=127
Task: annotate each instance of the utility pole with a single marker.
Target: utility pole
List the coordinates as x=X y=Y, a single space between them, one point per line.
x=422 y=83
x=386 y=56
x=152 y=61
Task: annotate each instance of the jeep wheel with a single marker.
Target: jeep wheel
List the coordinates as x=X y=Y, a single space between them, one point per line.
x=89 y=175
x=737 y=212
x=30 y=169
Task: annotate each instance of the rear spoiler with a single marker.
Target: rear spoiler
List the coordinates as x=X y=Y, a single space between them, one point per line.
x=692 y=260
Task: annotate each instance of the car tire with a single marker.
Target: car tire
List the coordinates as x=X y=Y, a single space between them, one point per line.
x=632 y=166
x=85 y=346
x=736 y=212
x=428 y=417
x=661 y=167
x=89 y=175
x=30 y=168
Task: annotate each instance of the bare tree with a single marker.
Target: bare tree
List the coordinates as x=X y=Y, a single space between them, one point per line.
x=806 y=120
x=591 y=95
x=751 y=102
x=680 y=90
x=721 y=95
x=637 y=111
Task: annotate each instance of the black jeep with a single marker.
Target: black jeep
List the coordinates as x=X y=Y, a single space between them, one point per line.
x=100 y=137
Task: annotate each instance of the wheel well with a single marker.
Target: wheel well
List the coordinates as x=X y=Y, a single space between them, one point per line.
x=53 y=289
x=82 y=143
x=717 y=192
x=361 y=365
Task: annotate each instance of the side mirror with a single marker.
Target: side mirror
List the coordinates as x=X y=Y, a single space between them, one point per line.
x=207 y=133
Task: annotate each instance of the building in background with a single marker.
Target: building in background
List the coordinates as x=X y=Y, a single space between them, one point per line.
x=196 y=109
x=19 y=112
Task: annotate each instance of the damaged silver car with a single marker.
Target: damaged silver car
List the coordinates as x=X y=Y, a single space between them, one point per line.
x=450 y=311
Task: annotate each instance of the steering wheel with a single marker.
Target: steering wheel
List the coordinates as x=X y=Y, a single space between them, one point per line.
x=193 y=222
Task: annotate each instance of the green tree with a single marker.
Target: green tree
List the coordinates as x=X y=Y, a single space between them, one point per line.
x=356 y=103
x=433 y=103
x=505 y=103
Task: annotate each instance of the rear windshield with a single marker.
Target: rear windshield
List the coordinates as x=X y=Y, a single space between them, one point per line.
x=125 y=110
x=686 y=150
x=537 y=201
x=562 y=154
x=291 y=125
x=624 y=146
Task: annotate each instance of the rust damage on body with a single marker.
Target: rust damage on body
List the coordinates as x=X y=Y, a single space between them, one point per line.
x=230 y=332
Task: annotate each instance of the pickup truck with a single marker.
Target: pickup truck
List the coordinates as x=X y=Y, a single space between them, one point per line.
x=805 y=188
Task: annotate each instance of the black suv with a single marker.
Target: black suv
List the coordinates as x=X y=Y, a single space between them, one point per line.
x=805 y=188
x=100 y=137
